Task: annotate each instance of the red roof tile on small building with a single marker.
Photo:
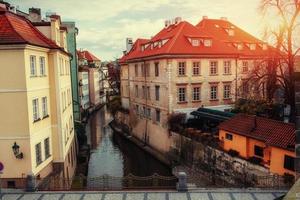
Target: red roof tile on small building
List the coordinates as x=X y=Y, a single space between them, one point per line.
x=272 y=132
x=87 y=55
x=16 y=29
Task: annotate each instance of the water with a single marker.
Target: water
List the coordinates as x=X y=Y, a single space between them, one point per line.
x=113 y=155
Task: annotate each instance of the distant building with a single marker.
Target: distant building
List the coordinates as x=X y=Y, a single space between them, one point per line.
x=36 y=127
x=269 y=141
x=84 y=88
x=72 y=33
x=88 y=63
x=184 y=67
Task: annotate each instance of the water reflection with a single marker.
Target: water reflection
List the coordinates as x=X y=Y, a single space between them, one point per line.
x=113 y=155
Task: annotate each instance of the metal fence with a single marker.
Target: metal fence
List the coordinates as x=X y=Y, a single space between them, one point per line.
x=107 y=182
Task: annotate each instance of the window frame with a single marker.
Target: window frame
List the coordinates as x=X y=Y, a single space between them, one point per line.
x=258 y=151
x=47 y=147
x=213 y=94
x=33 y=70
x=181 y=95
x=38 y=154
x=35 y=109
x=229 y=136
x=196 y=67
x=45 y=107
x=196 y=93
x=213 y=69
x=227 y=91
x=228 y=67
x=181 y=71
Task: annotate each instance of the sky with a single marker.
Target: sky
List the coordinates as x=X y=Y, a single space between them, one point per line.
x=104 y=25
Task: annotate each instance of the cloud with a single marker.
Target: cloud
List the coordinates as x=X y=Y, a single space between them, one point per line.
x=104 y=25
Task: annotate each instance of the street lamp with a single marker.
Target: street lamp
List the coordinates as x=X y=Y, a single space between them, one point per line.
x=16 y=150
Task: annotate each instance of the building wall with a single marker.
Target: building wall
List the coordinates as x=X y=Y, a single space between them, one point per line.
x=84 y=89
x=17 y=124
x=72 y=46
x=277 y=161
x=238 y=143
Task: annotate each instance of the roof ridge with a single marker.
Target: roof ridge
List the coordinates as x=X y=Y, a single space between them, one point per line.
x=176 y=36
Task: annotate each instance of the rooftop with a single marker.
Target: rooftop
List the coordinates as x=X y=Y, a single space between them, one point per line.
x=87 y=55
x=272 y=132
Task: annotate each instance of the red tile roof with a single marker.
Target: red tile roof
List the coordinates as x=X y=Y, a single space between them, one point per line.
x=178 y=36
x=273 y=133
x=15 y=29
x=87 y=55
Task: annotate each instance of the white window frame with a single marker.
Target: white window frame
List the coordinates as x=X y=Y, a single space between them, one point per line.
x=33 y=71
x=213 y=92
x=213 y=70
x=181 y=69
x=35 y=109
x=45 y=106
x=227 y=67
x=227 y=91
x=181 y=94
x=196 y=93
x=196 y=68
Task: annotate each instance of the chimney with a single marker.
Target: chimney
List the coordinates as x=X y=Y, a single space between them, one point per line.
x=35 y=14
x=204 y=17
x=129 y=44
x=177 y=20
x=224 y=18
x=4 y=5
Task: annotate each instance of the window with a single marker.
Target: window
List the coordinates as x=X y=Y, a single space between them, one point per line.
x=47 y=148
x=157 y=115
x=156 y=69
x=42 y=66
x=245 y=67
x=148 y=93
x=245 y=88
x=142 y=70
x=35 y=108
x=252 y=46
x=157 y=92
x=143 y=92
x=148 y=113
x=136 y=91
x=231 y=32
x=44 y=107
x=227 y=90
x=195 y=42
x=228 y=136
x=11 y=184
x=181 y=68
x=213 y=68
x=227 y=67
x=137 y=108
x=289 y=163
x=136 y=70
x=213 y=92
x=196 y=68
x=207 y=43
x=258 y=151
x=181 y=94
x=144 y=111
x=33 y=66
x=196 y=94
x=38 y=154
x=147 y=70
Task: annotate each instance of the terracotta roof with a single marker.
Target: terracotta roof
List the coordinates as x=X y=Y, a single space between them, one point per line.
x=15 y=29
x=272 y=132
x=87 y=55
x=177 y=41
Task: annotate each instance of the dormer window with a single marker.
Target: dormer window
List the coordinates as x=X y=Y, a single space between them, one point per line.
x=142 y=48
x=164 y=41
x=195 y=42
x=239 y=46
x=252 y=46
x=231 y=32
x=207 y=43
x=264 y=46
x=159 y=44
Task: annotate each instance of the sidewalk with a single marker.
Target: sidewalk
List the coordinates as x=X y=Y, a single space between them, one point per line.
x=215 y=194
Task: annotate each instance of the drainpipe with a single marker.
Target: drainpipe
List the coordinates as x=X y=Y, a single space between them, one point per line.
x=297 y=145
x=236 y=78
x=145 y=87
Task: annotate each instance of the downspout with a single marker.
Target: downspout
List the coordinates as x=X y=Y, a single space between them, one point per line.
x=145 y=88
x=236 y=78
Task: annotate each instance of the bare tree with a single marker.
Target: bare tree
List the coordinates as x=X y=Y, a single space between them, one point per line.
x=276 y=70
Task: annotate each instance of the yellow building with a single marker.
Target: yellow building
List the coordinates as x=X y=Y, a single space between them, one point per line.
x=36 y=123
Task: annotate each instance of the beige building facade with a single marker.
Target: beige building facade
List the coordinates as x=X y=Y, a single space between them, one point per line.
x=36 y=128
x=180 y=70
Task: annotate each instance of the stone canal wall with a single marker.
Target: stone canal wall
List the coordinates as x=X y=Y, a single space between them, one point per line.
x=211 y=161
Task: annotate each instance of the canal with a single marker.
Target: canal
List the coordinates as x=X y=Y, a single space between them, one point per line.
x=112 y=155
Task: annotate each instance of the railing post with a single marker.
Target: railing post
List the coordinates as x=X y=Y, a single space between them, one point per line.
x=30 y=183
x=182 y=182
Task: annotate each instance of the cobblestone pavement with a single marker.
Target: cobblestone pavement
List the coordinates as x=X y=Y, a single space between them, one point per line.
x=159 y=195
